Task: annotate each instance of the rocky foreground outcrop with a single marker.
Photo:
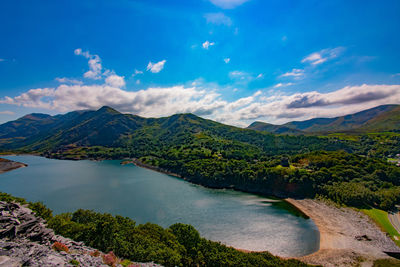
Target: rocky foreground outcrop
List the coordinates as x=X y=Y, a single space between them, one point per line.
x=26 y=241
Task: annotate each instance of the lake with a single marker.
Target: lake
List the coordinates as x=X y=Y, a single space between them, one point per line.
x=237 y=219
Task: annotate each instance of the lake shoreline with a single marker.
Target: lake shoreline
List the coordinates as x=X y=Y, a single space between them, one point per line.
x=346 y=235
x=9 y=165
x=337 y=247
x=304 y=247
x=337 y=227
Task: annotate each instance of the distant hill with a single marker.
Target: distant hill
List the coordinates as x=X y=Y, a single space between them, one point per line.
x=107 y=127
x=272 y=128
x=381 y=118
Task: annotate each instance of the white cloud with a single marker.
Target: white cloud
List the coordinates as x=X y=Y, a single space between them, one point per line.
x=283 y=85
x=207 y=44
x=198 y=99
x=322 y=56
x=260 y=76
x=95 y=67
x=67 y=80
x=7 y=112
x=227 y=60
x=137 y=72
x=202 y=99
x=79 y=52
x=137 y=81
x=149 y=102
x=297 y=73
x=228 y=4
x=156 y=67
x=238 y=74
x=218 y=19
x=115 y=81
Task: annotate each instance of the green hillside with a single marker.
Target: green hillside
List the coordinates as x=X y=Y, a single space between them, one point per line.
x=381 y=118
x=272 y=128
x=387 y=121
x=135 y=135
x=349 y=172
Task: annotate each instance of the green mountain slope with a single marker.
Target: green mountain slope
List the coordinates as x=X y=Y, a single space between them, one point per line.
x=217 y=155
x=381 y=118
x=107 y=127
x=387 y=121
x=272 y=128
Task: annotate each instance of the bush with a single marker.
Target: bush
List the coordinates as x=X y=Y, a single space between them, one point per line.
x=74 y=262
x=58 y=246
x=110 y=259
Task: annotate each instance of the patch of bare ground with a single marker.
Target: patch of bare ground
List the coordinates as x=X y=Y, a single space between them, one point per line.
x=347 y=237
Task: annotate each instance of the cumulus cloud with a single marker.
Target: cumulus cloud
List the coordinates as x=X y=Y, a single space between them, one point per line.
x=349 y=95
x=199 y=99
x=227 y=60
x=156 y=67
x=218 y=19
x=203 y=99
x=67 y=80
x=296 y=73
x=282 y=85
x=322 y=56
x=149 y=102
x=228 y=4
x=137 y=72
x=207 y=44
x=115 y=81
x=94 y=62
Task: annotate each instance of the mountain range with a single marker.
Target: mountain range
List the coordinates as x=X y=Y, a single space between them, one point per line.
x=107 y=127
x=377 y=119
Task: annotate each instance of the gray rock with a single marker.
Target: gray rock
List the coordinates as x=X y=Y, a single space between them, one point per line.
x=26 y=241
x=6 y=261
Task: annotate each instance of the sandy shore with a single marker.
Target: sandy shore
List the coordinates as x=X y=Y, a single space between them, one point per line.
x=338 y=229
x=8 y=165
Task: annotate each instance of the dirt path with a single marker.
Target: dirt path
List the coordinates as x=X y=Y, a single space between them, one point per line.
x=347 y=237
x=394 y=218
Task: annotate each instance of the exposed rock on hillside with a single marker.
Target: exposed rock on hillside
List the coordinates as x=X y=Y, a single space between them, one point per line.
x=26 y=241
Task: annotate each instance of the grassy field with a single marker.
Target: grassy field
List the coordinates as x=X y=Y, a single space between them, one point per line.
x=381 y=218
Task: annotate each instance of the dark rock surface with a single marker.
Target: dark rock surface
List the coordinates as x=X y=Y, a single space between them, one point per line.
x=26 y=241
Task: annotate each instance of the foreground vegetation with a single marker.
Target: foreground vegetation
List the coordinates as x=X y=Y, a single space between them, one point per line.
x=381 y=218
x=178 y=245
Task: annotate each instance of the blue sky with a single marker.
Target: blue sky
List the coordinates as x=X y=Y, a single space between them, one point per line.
x=234 y=61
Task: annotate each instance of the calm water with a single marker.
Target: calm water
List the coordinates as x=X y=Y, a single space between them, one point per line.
x=237 y=219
